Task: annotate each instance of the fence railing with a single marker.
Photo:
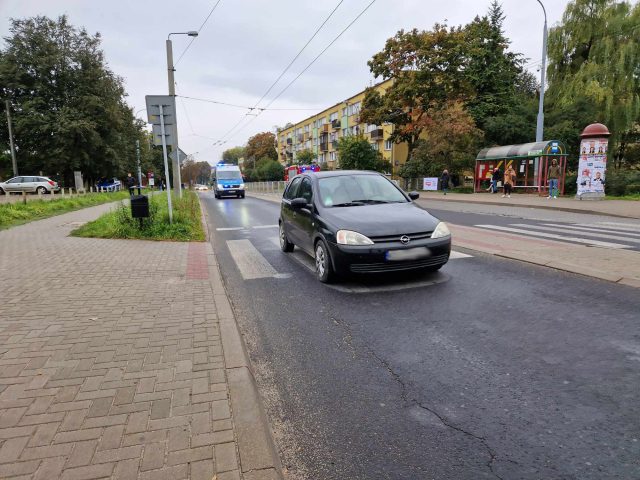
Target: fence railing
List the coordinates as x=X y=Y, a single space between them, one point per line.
x=276 y=188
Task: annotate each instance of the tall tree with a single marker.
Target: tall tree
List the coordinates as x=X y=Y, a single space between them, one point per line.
x=356 y=153
x=261 y=145
x=305 y=157
x=233 y=155
x=501 y=86
x=69 y=109
x=428 y=72
x=594 y=54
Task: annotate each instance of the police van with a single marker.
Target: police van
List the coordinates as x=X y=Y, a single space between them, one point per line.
x=227 y=181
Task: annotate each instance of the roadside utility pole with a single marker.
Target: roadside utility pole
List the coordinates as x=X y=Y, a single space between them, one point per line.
x=14 y=162
x=138 y=158
x=540 y=124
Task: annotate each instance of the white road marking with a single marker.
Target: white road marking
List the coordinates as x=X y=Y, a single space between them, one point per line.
x=617 y=225
x=249 y=260
x=455 y=255
x=532 y=233
x=228 y=229
x=588 y=234
x=594 y=228
x=266 y=226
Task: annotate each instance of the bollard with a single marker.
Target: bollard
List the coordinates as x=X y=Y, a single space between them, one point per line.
x=24 y=197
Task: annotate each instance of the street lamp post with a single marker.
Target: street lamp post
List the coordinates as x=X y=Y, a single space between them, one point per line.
x=540 y=124
x=138 y=154
x=177 y=187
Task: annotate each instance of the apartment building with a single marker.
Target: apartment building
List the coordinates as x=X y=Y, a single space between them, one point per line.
x=320 y=133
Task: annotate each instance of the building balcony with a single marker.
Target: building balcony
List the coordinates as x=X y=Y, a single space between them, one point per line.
x=335 y=124
x=324 y=128
x=334 y=144
x=324 y=146
x=289 y=141
x=377 y=134
x=300 y=138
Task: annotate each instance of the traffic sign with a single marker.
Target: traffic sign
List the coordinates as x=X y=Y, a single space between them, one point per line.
x=168 y=109
x=169 y=135
x=183 y=155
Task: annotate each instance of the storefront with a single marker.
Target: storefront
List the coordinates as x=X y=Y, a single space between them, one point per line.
x=531 y=162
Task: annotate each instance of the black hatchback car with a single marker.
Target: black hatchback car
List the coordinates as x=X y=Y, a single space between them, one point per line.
x=359 y=222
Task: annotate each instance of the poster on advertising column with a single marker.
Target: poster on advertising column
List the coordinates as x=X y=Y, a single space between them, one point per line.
x=430 y=183
x=592 y=165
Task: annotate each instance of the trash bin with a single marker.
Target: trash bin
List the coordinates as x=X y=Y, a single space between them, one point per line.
x=139 y=206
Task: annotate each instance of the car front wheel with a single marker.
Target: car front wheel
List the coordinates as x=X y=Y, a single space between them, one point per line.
x=41 y=190
x=285 y=244
x=324 y=270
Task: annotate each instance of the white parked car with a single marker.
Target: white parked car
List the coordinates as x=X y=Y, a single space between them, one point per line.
x=29 y=184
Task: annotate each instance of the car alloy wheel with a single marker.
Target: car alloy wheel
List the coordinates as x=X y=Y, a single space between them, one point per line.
x=324 y=270
x=285 y=244
x=41 y=190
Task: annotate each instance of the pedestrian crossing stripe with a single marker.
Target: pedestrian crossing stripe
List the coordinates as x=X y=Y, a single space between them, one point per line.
x=595 y=228
x=554 y=228
x=554 y=236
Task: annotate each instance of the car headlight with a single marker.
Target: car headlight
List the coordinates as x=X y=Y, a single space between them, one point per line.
x=220 y=185
x=241 y=187
x=347 y=237
x=441 y=231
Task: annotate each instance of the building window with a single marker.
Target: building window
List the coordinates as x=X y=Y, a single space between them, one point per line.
x=333 y=116
x=375 y=146
x=354 y=108
x=333 y=156
x=344 y=111
x=355 y=130
x=332 y=136
x=370 y=128
x=306 y=129
x=344 y=132
x=388 y=144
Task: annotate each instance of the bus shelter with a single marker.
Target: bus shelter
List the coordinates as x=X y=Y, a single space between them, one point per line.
x=531 y=162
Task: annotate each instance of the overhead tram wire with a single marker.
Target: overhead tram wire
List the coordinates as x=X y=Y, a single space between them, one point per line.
x=303 y=71
x=283 y=72
x=199 y=29
x=239 y=106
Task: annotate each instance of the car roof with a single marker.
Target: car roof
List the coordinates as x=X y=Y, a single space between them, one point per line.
x=337 y=173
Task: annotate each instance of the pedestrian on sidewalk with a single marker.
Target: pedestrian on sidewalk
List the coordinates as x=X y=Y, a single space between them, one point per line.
x=495 y=178
x=444 y=180
x=131 y=183
x=509 y=181
x=553 y=174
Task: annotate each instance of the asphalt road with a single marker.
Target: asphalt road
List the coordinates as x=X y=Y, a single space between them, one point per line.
x=490 y=368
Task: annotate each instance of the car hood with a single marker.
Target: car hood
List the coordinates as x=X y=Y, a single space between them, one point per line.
x=383 y=219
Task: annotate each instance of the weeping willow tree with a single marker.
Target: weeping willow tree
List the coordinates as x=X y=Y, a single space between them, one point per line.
x=594 y=54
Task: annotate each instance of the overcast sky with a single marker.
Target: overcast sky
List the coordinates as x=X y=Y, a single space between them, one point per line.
x=246 y=44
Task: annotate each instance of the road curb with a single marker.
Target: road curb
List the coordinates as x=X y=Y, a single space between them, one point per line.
x=258 y=454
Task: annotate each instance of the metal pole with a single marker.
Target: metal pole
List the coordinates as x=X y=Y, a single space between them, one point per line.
x=14 y=162
x=138 y=158
x=540 y=124
x=177 y=182
x=166 y=164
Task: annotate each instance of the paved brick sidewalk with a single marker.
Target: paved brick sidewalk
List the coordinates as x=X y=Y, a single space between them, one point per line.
x=111 y=361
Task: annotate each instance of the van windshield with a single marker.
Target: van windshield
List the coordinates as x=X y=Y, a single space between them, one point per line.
x=228 y=175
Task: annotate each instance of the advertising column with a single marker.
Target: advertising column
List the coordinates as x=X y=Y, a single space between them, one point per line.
x=592 y=162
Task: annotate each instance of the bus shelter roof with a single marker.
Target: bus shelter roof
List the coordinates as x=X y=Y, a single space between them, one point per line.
x=523 y=150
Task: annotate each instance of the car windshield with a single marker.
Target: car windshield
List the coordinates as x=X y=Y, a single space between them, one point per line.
x=228 y=175
x=355 y=189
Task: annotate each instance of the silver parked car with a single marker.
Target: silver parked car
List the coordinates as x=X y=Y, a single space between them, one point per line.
x=29 y=184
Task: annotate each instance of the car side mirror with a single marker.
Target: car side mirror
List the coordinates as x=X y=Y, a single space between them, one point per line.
x=414 y=195
x=299 y=203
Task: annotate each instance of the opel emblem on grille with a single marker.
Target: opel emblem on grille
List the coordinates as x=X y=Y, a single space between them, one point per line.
x=404 y=239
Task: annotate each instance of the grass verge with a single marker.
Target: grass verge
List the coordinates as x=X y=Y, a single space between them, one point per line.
x=187 y=224
x=633 y=196
x=13 y=214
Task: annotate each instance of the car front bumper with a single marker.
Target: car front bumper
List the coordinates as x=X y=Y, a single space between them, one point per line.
x=376 y=258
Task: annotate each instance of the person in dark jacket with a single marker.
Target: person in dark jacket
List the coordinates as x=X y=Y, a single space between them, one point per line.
x=495 y=178
x=131 y=183
x=444 y=180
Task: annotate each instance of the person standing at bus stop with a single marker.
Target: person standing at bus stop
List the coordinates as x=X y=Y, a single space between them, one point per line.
x=553 y=174
x=509 y=181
